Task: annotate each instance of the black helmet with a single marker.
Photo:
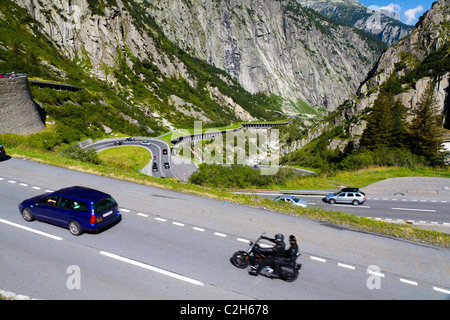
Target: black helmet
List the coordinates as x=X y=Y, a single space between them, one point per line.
x=279 y=237
x=292 y=239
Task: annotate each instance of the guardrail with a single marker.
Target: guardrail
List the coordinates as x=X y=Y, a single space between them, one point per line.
x=210 y=133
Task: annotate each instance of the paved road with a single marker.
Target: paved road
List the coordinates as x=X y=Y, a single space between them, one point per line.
x=171 y=245
x=179 y=169
x=420 y=201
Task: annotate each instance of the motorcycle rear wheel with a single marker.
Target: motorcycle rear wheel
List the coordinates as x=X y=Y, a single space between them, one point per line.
x=239 y=260
x=290 y=277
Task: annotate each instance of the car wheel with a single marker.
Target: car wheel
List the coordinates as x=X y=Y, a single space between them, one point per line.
x=355 y=202
x=27 y=214
x=332 y=201
x=74 y=228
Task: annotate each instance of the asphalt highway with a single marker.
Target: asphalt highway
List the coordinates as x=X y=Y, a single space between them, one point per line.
x=171 y=245
x=419 y=211
x=179 y=169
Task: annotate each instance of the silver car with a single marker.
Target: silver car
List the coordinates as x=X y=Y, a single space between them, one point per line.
x=294 y=200
x=354 y=198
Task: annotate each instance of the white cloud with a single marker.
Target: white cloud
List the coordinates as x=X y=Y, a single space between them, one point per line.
x=393 y=10
x=411 y=14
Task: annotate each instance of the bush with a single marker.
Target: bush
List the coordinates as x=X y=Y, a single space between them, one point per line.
x=238 y=176
x=365 y=158
x=88 y=155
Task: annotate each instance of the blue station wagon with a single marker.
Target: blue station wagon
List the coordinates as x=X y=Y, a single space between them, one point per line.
x=77 y=208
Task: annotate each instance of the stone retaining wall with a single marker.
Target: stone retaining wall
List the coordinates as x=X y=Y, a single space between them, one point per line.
x=19 y=114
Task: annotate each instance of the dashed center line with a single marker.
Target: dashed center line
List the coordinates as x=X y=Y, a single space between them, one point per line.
x=318 y=259
x=346 y=266
x=220 y=234
x=411 y=209
x=414 y=283
x=142 y=215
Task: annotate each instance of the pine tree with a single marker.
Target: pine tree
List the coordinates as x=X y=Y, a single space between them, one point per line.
x=425 y=131
x=385 y=124
x=399 y=130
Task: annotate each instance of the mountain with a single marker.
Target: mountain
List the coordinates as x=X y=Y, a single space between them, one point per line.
x=380 y=23
x=407 y=68
x=276 y=47
x=136 y=80
x=158 y=65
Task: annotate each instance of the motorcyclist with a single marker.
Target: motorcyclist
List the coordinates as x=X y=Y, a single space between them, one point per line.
x=275 y=252
x=290 y=255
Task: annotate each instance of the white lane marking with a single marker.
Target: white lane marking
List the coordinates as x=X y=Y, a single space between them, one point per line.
x=178 y=224
x=414 y=283
x=220 y=234
x=346 y=205
x=410 y=209
x=378 y=274
x=142 y=215
x=48 y=235
x=124 y=210
x=318 y=259
x=151 y=268
x=238 y=239
x=441 y=290
x=346 y=266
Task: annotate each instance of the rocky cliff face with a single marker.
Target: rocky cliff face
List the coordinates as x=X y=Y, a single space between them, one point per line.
x=276 y=47
x=416 y=60
x=271 y=46
x=106 y=37
x=386 y=28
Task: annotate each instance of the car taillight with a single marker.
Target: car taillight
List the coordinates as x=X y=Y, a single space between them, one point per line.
x=92 y=221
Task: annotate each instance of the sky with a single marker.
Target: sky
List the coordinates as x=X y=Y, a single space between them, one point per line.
x=408 y=10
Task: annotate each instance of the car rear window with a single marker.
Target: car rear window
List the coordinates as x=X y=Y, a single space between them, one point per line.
x=104 y=204
x=80 y=206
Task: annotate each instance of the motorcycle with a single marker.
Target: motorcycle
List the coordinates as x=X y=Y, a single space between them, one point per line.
x=253 y=257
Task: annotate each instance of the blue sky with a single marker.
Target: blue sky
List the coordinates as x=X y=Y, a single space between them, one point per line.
x=409 y=10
